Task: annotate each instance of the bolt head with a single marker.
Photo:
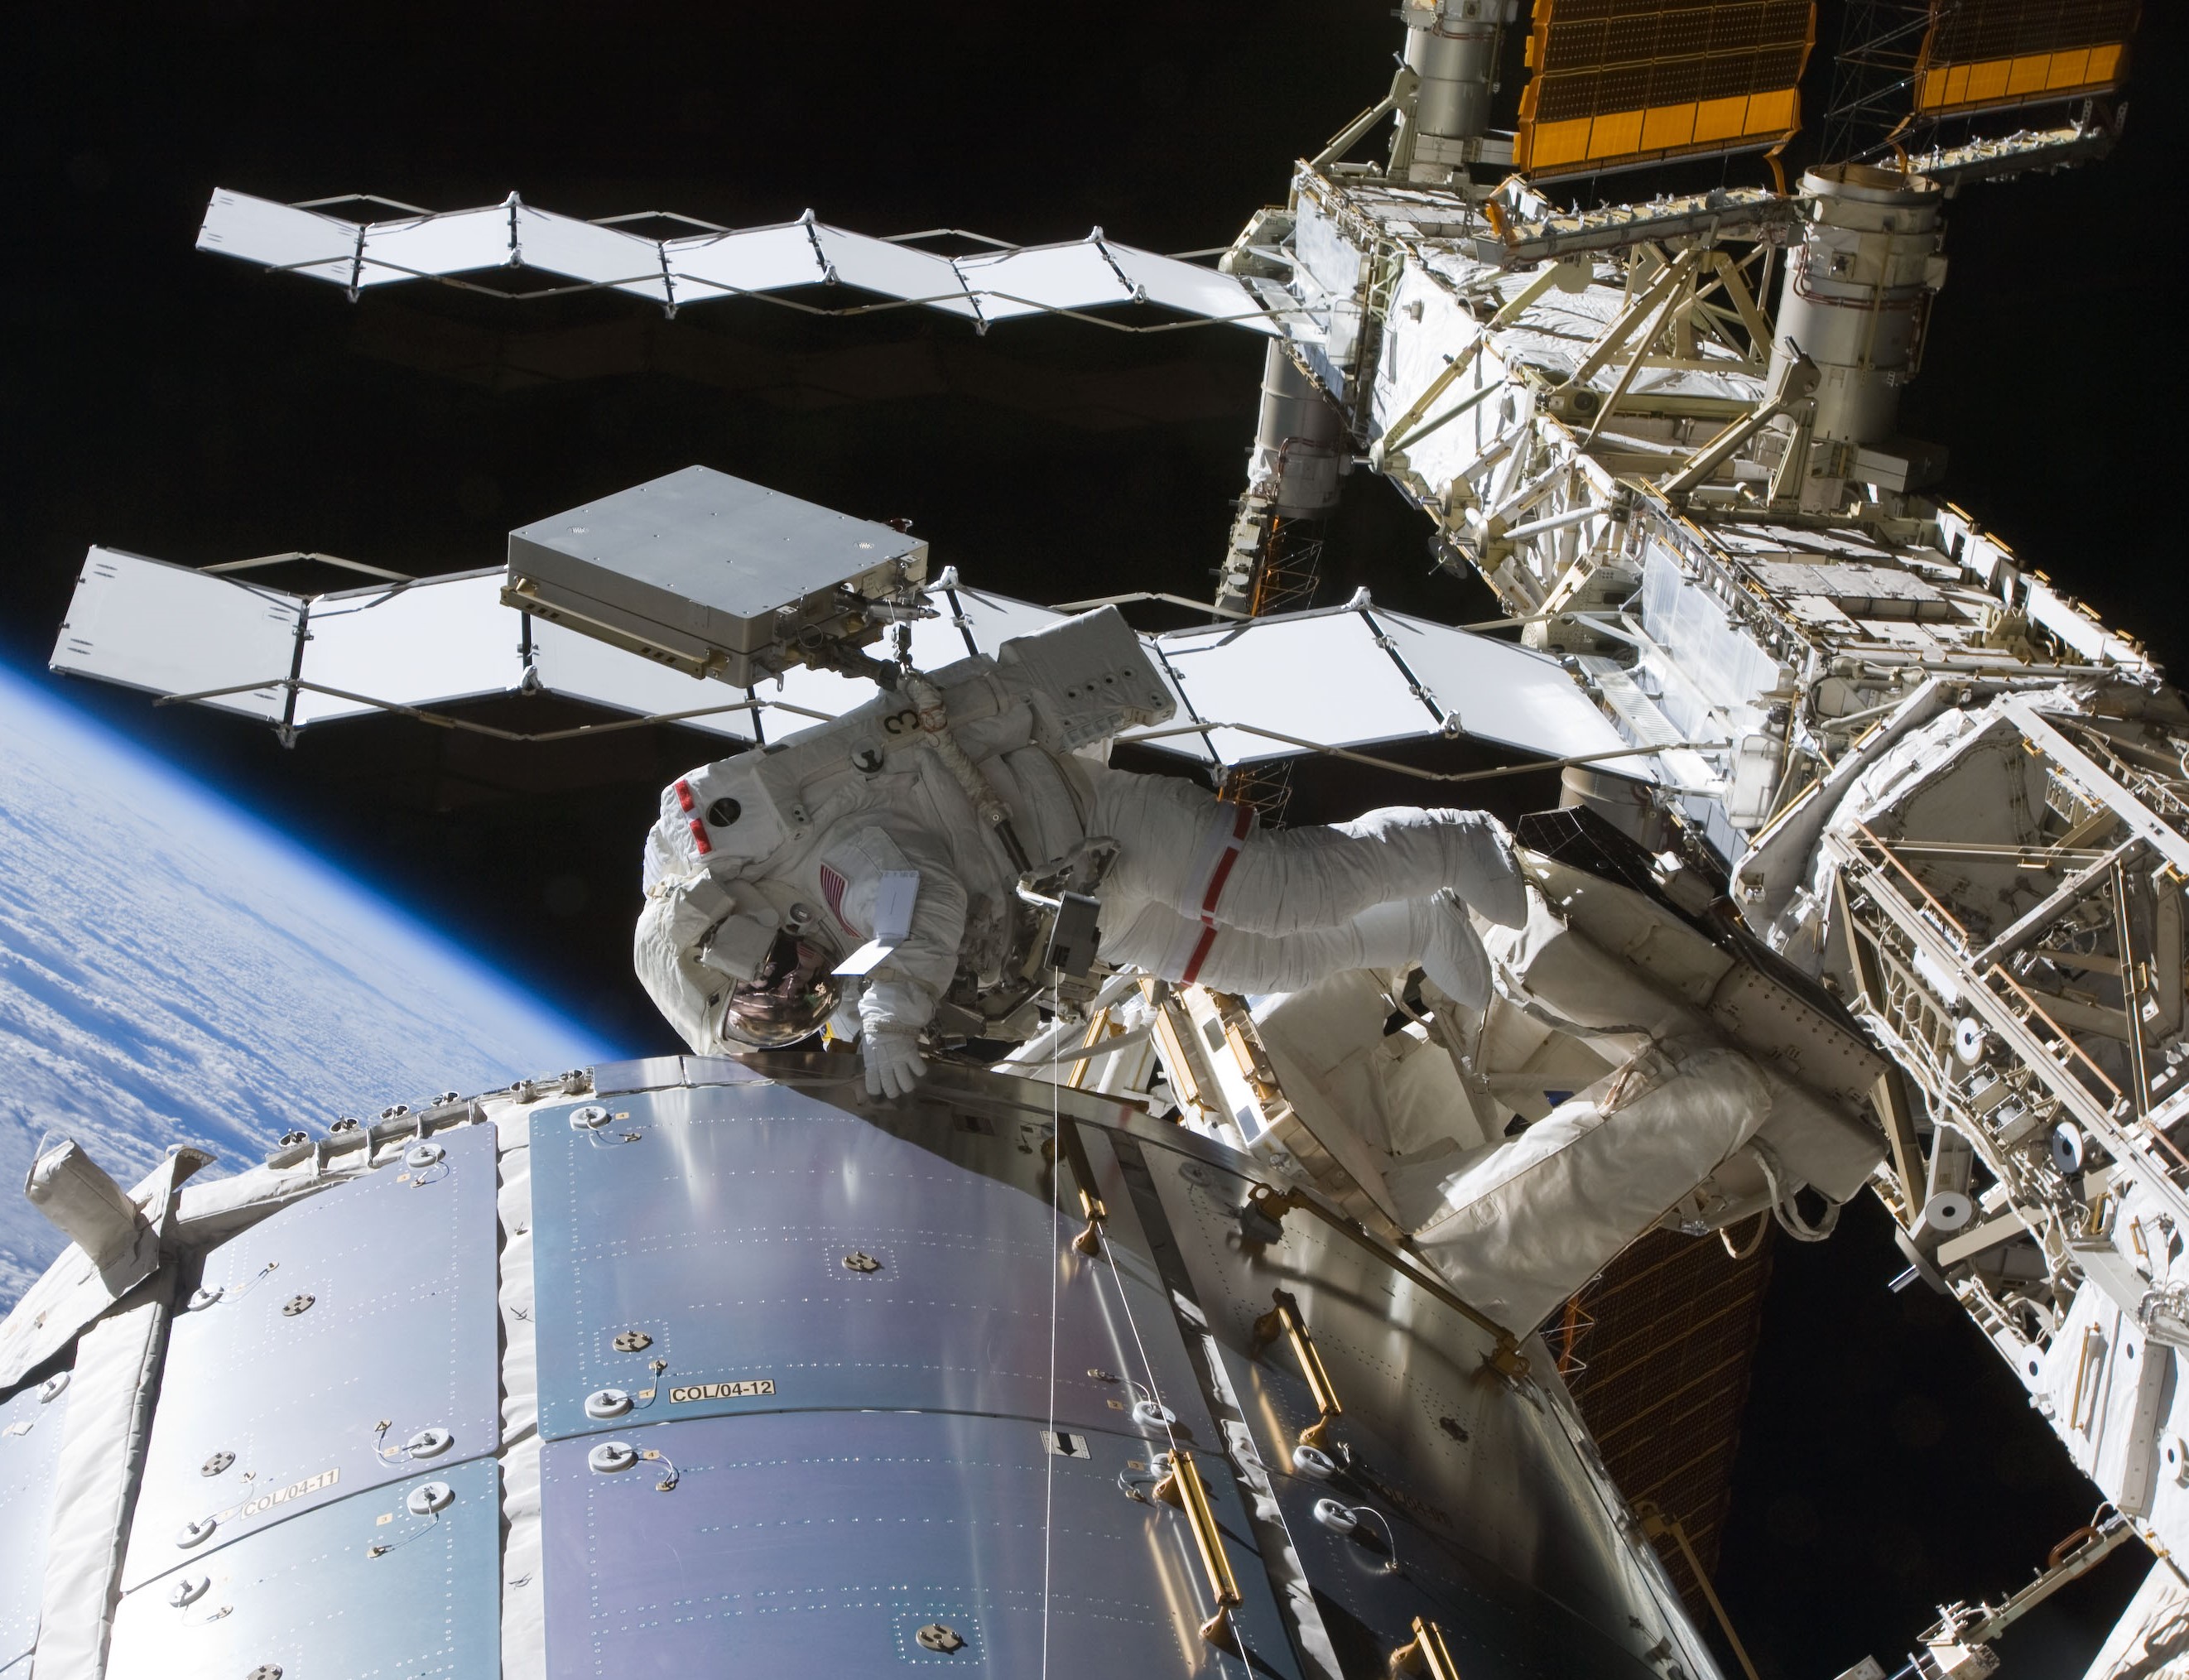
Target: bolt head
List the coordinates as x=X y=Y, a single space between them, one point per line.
x=940 y=1636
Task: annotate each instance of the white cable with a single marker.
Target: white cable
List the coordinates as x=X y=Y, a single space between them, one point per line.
x=1725 y=1235
x=1783 y=1207
x=1390 y=1537
x=1147 y=1365
x=935 y=730
x=1163 y=1414
x=1056 y=1271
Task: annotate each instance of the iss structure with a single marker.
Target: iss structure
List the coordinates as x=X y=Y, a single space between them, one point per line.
x=1201 y=1334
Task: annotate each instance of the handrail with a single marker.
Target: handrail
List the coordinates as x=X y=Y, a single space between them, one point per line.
x=1427 y=1654
x=1272 y=1205
x=1092 y=1207
x=1654 y=1523
x=1184 y=1488
x=1284 y=1320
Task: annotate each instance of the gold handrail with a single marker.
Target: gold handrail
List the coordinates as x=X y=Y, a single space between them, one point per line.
x=1092 y=1207
x=1284 y=1320
x=1654 y=1523
x=1506 y=1357
x=1427 y=1654
x=1184 y=1488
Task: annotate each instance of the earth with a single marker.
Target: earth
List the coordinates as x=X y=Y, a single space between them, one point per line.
x=172 y=970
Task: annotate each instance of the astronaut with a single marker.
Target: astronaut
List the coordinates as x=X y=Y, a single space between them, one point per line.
x=899 y=835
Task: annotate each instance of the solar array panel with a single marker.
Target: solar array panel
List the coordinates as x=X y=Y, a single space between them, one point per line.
x=1988 y=54
x=1619 y=83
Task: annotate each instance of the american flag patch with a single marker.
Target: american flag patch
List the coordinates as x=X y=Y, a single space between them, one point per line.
x=832 y=889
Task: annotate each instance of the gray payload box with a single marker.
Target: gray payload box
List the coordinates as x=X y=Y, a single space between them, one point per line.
x=710 y=574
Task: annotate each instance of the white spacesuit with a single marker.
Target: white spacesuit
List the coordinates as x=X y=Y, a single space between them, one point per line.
x=766 y=868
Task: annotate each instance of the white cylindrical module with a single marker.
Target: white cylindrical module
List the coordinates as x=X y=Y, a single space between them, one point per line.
x=1451 y=45
x=1854 y=296
x=1620 y=800
x=1299 y=443
x=492 y=1436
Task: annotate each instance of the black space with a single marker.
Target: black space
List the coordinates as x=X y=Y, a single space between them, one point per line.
x=188 y=408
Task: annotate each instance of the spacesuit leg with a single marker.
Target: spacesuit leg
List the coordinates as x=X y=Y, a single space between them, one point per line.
x=1180 y=846
x=1435 y=933
x=1528 y=1223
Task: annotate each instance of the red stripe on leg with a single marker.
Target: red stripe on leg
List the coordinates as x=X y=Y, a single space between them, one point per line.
x=1200 y=956
x=1239 y=824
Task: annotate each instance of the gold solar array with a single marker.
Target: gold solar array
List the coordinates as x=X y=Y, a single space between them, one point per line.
x=1983 y=55
x=1617 y=83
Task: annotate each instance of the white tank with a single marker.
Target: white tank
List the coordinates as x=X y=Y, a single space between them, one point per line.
x=1857 y=288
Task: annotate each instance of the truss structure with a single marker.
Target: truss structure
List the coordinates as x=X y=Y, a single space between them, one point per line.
x=1933 y=780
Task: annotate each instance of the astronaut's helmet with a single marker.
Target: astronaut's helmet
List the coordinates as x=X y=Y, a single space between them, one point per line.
x=788 y=998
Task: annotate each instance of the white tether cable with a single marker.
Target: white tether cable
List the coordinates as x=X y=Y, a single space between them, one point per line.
x=1782 y=1205
x=1163 y=1412
x=1155 y=1395
x=1057 y=1263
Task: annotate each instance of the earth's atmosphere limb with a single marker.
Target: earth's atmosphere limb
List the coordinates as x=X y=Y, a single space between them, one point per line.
x=172 y=970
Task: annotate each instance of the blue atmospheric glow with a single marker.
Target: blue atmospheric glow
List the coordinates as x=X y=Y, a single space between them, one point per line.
x=173 y=969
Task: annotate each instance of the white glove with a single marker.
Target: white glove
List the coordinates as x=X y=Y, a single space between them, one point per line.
x=892 y=1059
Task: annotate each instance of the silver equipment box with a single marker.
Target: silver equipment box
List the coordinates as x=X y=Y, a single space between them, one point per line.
x=710 y=574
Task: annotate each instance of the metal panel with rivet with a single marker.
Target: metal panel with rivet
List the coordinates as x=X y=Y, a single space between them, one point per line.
x=758 y=1249
x=850 y=1543
x=347 y=1341
x=31 y=1424
x=400 y=1579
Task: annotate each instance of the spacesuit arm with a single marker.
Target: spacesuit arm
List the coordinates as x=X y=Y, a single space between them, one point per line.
x=901 y=991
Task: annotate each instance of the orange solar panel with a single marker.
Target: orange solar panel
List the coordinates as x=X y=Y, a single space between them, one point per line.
x=1985 y=54
x=1618 y=83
